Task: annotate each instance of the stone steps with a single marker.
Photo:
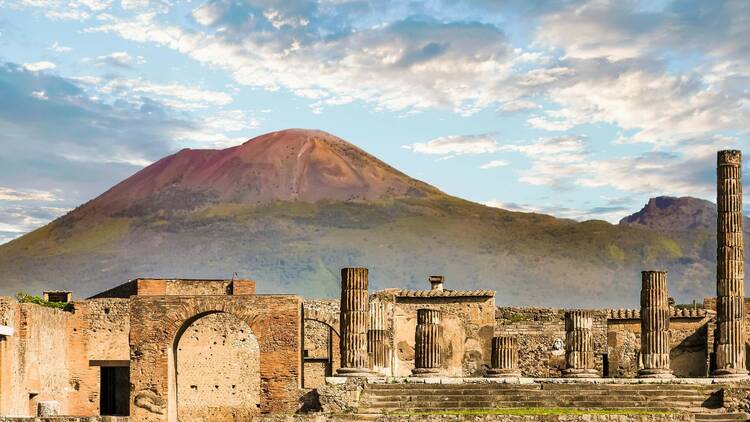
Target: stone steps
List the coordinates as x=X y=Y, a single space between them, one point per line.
x=431 y=397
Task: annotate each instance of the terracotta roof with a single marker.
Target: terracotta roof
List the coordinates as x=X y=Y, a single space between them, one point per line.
x=443 y=293
x=636 y=313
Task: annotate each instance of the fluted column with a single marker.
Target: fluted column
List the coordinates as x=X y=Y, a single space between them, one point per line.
x=355 y=321
x=654 y=326
x=504 y=357
x=377 y=348
x=579 y=345
x=730 y=267
x=428 y=338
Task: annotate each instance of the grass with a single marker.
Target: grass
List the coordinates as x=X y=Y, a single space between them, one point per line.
x=536 y=411
x=27 y=298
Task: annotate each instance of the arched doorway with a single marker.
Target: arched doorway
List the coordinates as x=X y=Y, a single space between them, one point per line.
x=217 y=373
x=321 y=352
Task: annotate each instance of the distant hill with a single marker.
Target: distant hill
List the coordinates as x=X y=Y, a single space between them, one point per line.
x=290 y=208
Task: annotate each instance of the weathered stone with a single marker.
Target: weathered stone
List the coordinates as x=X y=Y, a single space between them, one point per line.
x=579 y=345
x=48 y=408
x=504 y=358
x=730 y=277
x=355 y=321
x=377 y=342
x=654 y=326
x=428 y=339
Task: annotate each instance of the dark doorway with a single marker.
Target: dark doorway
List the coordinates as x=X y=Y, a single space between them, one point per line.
x=114 y=392
x=605 y=365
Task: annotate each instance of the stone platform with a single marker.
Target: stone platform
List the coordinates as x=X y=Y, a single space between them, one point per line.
x=702 y=398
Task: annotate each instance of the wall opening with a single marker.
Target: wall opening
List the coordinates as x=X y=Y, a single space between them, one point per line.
x=114 y=391
x=321 y=353
x=217 y=370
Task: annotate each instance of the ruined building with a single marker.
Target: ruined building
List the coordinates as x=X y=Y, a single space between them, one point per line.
x=175 y=349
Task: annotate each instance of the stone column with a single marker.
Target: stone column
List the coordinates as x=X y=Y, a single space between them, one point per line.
x=730 y=267
x=579 y=345
x=376 y=338
x=654 y=326
x=504 y=357
x=355 y=320
x=428 y=337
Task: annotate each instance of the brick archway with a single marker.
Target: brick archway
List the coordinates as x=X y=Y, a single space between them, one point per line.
x=328 y=318
x=157 y=321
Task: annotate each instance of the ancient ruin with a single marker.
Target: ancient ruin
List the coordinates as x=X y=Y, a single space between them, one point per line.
x=579 y=345
x=504 y=357
x=428 y=336
x=181 y=350
x=654 y=326
x=355 y=320
x=730 y=267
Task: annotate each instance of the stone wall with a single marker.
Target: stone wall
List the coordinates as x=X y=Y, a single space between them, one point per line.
x=541 y=338
x=33 y=359
x=688 y=343
x=179 y=286
x=275 y=320
x=468 y=326
x=322 y=341
x=217 y=362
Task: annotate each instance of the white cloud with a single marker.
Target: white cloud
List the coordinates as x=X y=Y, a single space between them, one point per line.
x=118 y=59
x=400 y=66
x=40 y=95
x=58 y=48
x=79 y=10
x=116 y=158
x=39 y=66
x=10 y=194
x=494 y=164
x=515 y=106
x=174 y=95
x=457 y=145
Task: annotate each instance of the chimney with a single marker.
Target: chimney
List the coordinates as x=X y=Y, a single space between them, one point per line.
x=436 y=282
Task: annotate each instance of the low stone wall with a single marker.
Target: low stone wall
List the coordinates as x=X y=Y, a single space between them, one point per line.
x=736 y=399
x=538 y=331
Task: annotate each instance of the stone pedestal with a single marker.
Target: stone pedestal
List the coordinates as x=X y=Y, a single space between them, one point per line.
x=579 y=345
x=47 y=408
x=377 y=344
x=730 y=268
x=355 y=320
x=428 y=338
x=504 y=358
x=654 y=326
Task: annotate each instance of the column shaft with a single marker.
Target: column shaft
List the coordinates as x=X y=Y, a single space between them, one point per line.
x=428 y=338
x=655 y=345
x=377 y=347
x=579 y=345
x=355 y=321
x=730 y=267
x=504 y=357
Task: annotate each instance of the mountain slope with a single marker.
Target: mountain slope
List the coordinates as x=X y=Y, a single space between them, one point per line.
x=290 y=208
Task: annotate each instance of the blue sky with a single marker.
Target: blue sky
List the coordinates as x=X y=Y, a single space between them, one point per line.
x=580 y=109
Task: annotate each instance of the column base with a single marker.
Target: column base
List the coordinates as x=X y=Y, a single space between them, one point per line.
x=425 y=372
x=580 y=373
x=729 y=373
x=502 y=373
x=354 y=372
x=655 y=373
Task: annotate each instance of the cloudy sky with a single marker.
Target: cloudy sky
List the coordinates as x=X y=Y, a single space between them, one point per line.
x=581 y=109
